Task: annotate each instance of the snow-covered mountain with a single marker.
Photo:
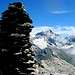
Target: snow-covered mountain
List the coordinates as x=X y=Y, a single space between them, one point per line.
x=47 y=44
x=48 y=38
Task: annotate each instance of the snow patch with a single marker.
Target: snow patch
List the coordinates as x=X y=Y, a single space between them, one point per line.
x=41 y=43
x=66 y=47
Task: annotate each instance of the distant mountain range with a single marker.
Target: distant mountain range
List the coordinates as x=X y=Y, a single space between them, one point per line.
x=47 y=44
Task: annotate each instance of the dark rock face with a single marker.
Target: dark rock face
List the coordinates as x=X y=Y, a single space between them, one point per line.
x=16 y=55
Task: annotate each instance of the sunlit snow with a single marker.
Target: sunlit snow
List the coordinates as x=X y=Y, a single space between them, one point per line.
x=41 y=43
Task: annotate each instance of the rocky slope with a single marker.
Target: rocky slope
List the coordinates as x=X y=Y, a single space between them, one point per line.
x=56 y=66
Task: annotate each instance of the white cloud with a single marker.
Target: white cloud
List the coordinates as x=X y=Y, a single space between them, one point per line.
x=65 y=30
x=60 y=12
x=68 y=30
x=61 y=30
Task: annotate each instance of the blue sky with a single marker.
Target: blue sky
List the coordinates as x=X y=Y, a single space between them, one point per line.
x=56 y=14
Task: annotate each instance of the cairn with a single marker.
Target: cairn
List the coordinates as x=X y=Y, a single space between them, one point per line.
x=16 y=54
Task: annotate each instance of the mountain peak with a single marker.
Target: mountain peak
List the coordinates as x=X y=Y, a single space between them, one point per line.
x=50 y=31
x=44 y=33
x=40 y=33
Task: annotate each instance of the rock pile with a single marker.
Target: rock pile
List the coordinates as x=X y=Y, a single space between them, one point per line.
x=16 y=55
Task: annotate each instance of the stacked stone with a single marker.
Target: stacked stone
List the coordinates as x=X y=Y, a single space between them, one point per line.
x=16 y=55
